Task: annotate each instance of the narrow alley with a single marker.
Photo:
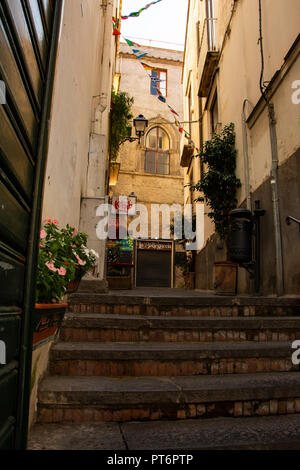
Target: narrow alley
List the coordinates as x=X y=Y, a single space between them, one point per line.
x=149 y=226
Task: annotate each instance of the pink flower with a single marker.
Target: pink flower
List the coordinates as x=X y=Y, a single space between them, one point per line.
x=42 y=246
x=80 y=260
x=43 y=234
x=50 y=265
x=55 y=222
x=62 y=271
x=49 y=221
x=75 y=231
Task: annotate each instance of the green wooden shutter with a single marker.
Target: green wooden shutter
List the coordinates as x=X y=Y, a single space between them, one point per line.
x=28 y=42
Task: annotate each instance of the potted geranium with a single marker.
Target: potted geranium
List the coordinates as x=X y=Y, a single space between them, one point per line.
x=63 y=259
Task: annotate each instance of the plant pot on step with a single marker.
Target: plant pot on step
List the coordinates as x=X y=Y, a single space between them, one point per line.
x=225 y=278
x=47 y=321
x=189 y=280
x=73 y=285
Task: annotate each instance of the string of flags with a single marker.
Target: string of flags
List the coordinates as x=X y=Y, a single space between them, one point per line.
x=139 y=54
x=160 y=97
x=137 y=13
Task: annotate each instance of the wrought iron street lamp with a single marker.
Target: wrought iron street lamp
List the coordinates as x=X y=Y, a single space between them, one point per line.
x=140 y=123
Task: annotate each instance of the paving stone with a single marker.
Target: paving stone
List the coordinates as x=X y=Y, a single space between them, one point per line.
x=263 y=433
x=272 y=432
x=103 y=436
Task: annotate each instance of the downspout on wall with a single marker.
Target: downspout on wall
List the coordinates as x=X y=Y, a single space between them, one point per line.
x=275 y=200
x=274 y=170
x=104 y=96
x=246 y=157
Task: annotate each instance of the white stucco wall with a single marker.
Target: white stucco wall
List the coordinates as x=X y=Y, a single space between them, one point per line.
x=238 y=79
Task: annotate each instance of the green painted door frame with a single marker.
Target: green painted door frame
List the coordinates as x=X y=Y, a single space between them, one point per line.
x=29 y=35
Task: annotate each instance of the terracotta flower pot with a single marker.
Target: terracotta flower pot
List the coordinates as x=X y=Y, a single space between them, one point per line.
x=47 y=320
x=73 y=285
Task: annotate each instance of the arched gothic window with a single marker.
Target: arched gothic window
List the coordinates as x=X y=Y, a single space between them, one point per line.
x=157 y=158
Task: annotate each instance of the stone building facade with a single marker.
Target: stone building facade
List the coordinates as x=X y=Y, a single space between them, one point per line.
x=152 y=169
x=227 y=79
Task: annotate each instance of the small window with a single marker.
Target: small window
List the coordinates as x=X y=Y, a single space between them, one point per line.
x=158 y=82
x=157 y=158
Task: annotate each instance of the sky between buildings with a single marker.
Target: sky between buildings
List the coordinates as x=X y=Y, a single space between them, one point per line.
x=161 y=25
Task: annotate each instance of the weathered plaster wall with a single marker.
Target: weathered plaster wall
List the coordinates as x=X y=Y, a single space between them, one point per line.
x=237 y=79
x=71 y=112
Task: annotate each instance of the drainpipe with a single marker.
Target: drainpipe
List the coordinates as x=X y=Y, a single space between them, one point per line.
x=274 y=168
x=104 y=98
x=275 y=200
x=246 y=157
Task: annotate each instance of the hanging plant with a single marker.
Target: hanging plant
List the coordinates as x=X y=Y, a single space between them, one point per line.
x=219 y=183
x=120 y=116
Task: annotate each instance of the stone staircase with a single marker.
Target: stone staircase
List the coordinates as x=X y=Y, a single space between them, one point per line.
x=137 y=358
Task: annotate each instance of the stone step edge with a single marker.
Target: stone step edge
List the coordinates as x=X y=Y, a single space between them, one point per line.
x=98 y=320
x=188 y=311
x=168 y=351
x=164 y=391
x=193 y=300
x=243 y=433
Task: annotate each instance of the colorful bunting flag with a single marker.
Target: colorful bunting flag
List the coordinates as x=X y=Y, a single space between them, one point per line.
x=146 y=66
x=173 y=110
x=155 y=80
x=134 y=14
x=141 y=55
x=116 y=32
x=130 y=43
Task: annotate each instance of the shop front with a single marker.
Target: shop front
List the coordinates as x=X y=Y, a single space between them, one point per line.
x=154 y=263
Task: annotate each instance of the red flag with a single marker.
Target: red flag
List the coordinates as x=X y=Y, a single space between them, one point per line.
x=116 y=32
x=173 y=110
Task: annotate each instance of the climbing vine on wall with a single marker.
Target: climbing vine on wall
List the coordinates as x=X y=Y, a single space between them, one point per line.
x=120 y=117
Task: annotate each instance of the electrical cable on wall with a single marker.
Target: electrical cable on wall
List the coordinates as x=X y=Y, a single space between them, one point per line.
x=262 y=84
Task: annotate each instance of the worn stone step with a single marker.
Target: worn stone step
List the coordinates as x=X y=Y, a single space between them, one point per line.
x=95 y=399
x=167 y=359
x=107 y=327
x=192 y=303
x=256 y=433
